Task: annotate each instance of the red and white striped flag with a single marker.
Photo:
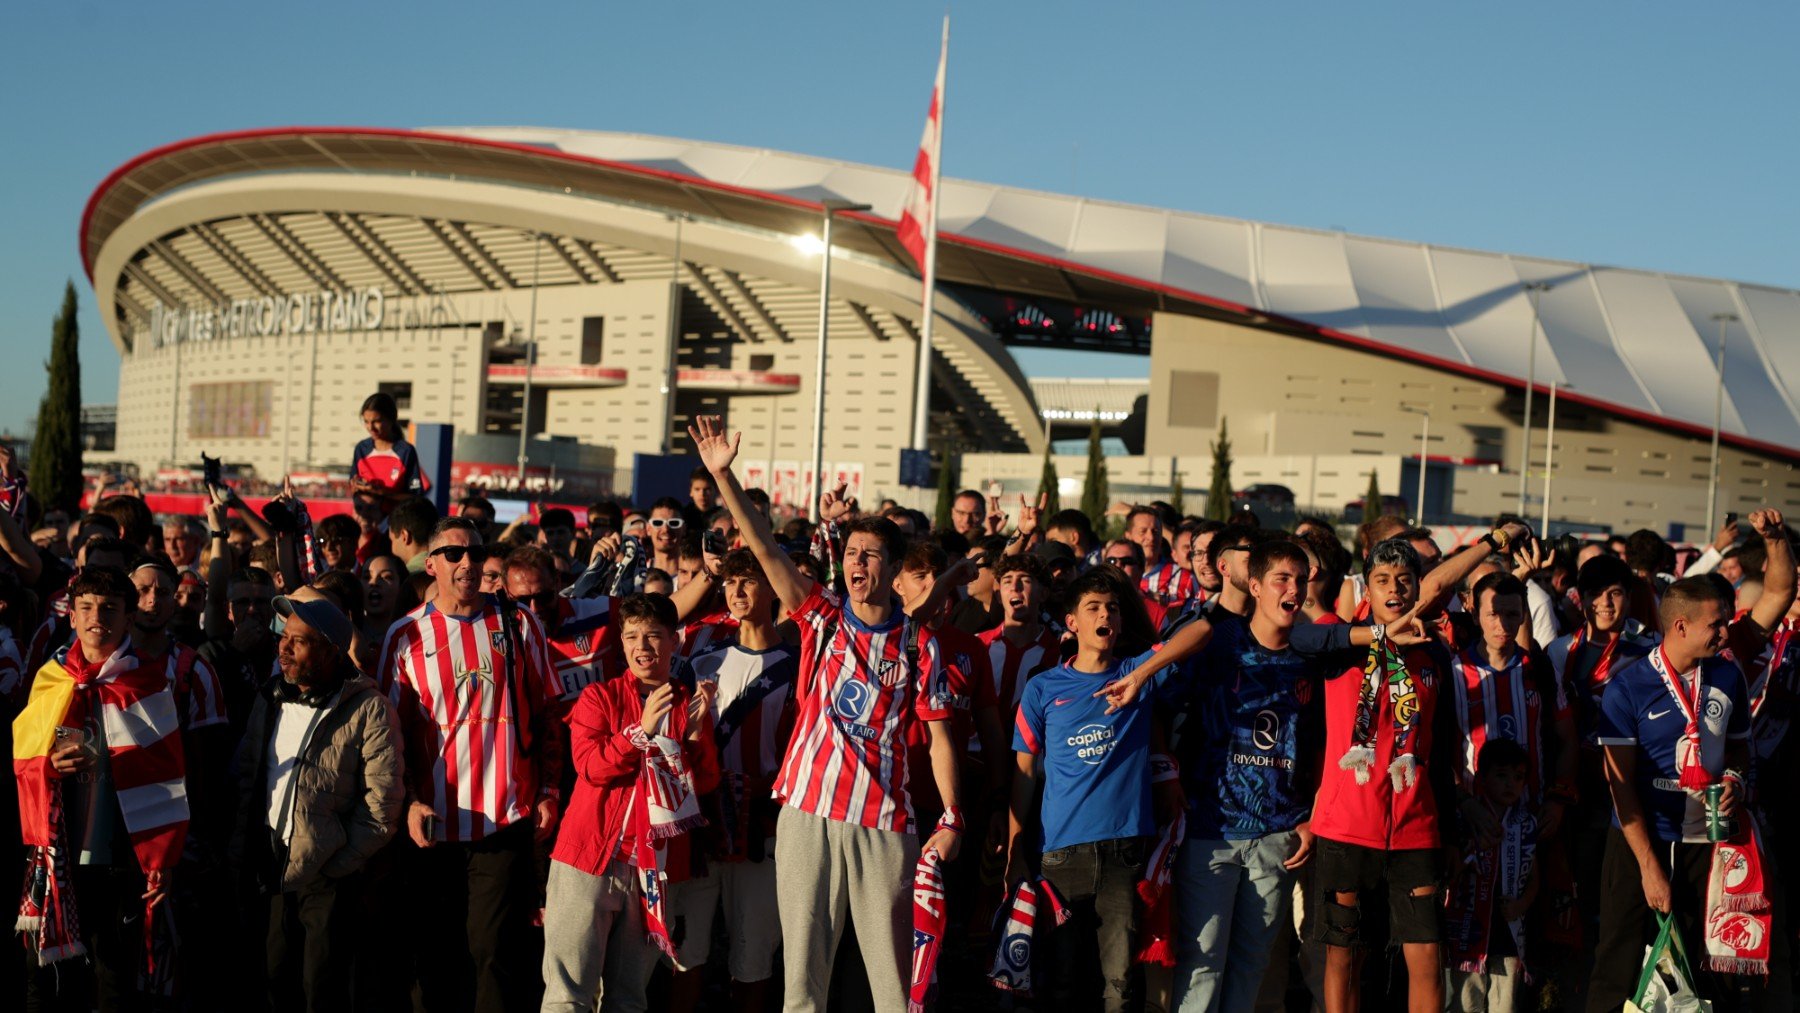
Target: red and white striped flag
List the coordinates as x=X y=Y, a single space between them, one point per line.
x=918 y=218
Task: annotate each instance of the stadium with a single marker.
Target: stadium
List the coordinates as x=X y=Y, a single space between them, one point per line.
x=259 y=284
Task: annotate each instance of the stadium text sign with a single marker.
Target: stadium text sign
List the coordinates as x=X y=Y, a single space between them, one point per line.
x=304 y=313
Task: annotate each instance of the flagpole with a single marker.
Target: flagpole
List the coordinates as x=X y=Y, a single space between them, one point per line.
x=922 y=397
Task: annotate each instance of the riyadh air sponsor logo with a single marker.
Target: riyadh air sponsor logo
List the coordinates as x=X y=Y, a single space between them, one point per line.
x=1091 y=743
x=1266 y=729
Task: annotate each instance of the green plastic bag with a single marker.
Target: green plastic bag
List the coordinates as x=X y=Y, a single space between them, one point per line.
x=1666 y=984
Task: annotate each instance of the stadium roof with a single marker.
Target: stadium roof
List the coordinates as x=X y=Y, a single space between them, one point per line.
x=1636 y=343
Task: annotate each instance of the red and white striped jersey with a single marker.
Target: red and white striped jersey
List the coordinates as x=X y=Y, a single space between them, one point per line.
x=472 y=754
x=1014 y=664
x=857 y=705
x=384 y=665
x=754 y=688
x=1170 y=585
x=198 y=693
x=585 y=647
x=708 y=633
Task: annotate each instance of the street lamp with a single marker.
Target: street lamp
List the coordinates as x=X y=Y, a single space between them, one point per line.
x=830 y=208
x=1533 y=290
x=1424 y=450
x=537 y=249
x=1712 y=484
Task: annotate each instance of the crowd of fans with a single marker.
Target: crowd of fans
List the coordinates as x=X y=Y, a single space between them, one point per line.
x=674 y=756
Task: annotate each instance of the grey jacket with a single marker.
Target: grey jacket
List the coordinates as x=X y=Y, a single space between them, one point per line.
x=344 y=799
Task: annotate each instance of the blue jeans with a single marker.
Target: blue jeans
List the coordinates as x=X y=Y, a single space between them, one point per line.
x=1231 y=897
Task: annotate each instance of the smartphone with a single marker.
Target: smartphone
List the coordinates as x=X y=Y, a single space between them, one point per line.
x=1730 y=518
x=713 y=543
x=210 y=472
x=428 y=826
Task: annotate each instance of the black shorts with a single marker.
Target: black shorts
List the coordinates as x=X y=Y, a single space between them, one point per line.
x=1353 y=868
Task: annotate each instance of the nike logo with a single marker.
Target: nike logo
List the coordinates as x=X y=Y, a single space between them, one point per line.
x=1059 y=703
x=1653 y=715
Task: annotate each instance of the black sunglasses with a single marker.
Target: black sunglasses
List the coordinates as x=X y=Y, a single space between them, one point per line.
x=453 y=554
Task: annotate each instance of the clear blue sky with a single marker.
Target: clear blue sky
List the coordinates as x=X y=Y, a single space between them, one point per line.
x=1657 y=135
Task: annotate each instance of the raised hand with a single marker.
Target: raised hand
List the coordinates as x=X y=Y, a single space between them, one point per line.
x=1032 y=516
x=657 y=707
x=605 y=547
x=1529 y=557
x=996 y=517
x=716 y=452
x=1767 y=523
x=835 y=504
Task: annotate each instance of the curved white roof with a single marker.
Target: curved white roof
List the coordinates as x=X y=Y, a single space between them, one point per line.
x=1640 y=342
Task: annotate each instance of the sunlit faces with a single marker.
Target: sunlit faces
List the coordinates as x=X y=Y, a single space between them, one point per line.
x=913 y=585
x=701 y=492
x=1095 y=620
x=1234 y=566
x=1501 y=616
x=458 y=580
x=533 y=587
x=1182 y=549
x=303 y=654
x=1392 y=590
x=1122 y=557
x=1204 y=572
x=666 y=536
x=378 y=426
x=1280 y=592
x=1606 y=608
x=867 y=577
x=1142 y=529
x=966 y=515
x=156 y=597
x=687 y=568
x=1021 y=596
x=493 y=574
x=748 y=598
x=1701 y=633
x=648 y=647
x=99 y=623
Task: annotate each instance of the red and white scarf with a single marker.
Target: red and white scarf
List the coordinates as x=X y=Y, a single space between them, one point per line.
x=1011 y=969
x=1690 y=702
x=1158 y=929
x=1491 y=876
x=663 y=806
x=141 y=725
x=1739 y=918
x=1498 y=703
x=929 y=918
x=1602 y=668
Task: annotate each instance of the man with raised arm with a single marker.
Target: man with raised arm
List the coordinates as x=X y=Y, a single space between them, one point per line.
x=845 y=838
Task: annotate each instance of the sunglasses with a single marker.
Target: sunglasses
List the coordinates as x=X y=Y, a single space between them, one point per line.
x=672 y=523
x=453 y=554
x=1122 y=560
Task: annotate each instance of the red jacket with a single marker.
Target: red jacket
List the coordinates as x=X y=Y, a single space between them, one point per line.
x=1374 y=815
x=607 y=766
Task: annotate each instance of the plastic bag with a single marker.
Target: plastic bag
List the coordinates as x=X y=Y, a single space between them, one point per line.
x=1666 y=984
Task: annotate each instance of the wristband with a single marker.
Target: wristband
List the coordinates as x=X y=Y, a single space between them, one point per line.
x=1733 y=775
x=1163 y=768
x=951 y=820
x=220 y=534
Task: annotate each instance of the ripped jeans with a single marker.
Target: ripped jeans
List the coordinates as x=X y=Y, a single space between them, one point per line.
x=1413 y=916
x=1099 y=882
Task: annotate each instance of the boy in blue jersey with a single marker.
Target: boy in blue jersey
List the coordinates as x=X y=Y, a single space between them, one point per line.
x=1673 y=723
x=1094 y=767
x=1249 y=770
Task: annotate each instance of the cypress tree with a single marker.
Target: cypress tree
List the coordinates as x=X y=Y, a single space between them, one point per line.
x=1093 y=488
x=1218 y=495
x=1178 y=495
x=1372 y=499
x=946 y=492
x=1049 y=486
x=55 y=474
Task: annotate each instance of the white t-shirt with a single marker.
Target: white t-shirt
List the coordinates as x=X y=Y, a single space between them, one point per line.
x=293 y=721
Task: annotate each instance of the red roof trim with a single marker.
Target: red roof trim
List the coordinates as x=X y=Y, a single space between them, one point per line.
x=1356 y=341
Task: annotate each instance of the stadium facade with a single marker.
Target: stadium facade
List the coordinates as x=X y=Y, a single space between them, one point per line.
x=260 y=284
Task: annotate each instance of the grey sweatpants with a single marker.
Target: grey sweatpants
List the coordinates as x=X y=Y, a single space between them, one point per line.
x=824 y=870
x=594 y=931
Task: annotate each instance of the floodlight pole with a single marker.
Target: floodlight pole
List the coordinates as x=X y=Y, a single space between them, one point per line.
x=1549 y=460
x=1712 y=483
x=830 y=208
x=537 y=249
x=1533 y=289
x=1424 y=451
